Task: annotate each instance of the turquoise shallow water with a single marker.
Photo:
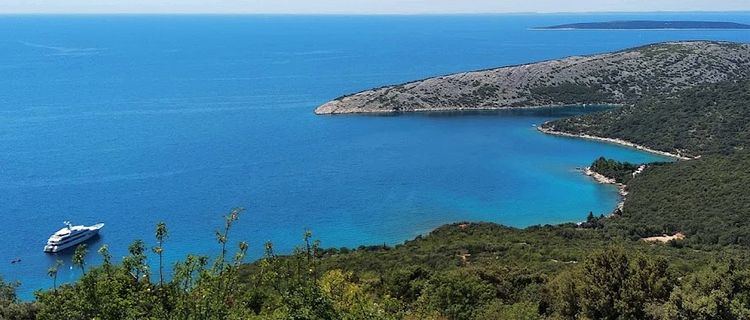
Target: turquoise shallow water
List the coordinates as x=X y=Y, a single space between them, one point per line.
x=133 y=120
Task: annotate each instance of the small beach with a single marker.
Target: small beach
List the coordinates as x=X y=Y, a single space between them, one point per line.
x=614 y=141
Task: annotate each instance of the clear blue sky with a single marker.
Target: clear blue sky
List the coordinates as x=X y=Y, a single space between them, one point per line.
x=363 y=6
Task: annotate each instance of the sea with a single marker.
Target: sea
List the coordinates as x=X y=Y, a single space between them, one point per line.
x=133 y=120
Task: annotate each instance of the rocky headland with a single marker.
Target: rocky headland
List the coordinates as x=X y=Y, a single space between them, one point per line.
x=621 y=77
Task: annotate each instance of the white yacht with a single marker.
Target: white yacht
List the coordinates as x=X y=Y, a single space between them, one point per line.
x=70 y=236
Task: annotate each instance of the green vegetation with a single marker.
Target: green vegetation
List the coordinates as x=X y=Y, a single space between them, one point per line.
x=706 y=199
x=708 y=119
x=10 y=307
x=622 y=172
x=459 y=271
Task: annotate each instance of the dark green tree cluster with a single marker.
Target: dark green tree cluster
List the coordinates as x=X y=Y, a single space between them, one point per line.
x=620 y=171
x=593 y=222
x=10 y=307
x=719 y=291
x=611 y=285
x=486 y=271
x=707 y=119
x=706 y=199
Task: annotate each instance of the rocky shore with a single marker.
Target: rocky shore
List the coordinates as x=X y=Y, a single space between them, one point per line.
x=614 y=141
x=621 y=77
x=621 y=188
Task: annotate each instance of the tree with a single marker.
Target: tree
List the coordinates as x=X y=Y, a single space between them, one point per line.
x=79 y=257
x=10 y=307
x=349 y=299
x=407 y=284
x=223 y=236
x=457 y=294
x=161 y=235
x=611 y=285
x=135 y=263
x=719 y=291
x=52 y=272
x=107 y=258
x=562 y=295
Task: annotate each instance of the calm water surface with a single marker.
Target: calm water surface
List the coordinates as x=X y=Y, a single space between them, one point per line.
x=133 y=120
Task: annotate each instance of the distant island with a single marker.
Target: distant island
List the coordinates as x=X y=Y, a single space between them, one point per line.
x=647 y=25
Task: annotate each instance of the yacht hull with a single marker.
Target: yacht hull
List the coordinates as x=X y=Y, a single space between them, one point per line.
x=93 y=231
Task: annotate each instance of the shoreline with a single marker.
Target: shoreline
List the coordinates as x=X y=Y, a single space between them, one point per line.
x=459 y=109
x=638 y=29
x=497 y=88
x=602 y=179
x=614 y=141
x=621 y=188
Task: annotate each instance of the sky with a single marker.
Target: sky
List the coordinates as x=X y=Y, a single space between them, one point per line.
x=364 y=6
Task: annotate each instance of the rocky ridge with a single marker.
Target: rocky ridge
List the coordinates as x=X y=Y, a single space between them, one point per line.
x=620 y=77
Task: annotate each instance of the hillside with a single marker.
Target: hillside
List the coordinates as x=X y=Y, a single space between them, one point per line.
x=459 y=271
x=706 y=199
x=619 y=78
x=707 y=119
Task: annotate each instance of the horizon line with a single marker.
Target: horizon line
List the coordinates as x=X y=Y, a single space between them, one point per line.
x=178 y=13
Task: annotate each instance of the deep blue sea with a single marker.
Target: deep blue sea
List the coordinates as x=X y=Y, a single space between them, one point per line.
x=132 y=120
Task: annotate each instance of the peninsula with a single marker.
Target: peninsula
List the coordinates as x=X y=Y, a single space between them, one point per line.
x=622 y=77
x=648 y=25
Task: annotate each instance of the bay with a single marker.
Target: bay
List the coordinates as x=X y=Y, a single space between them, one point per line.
x=132 y=120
